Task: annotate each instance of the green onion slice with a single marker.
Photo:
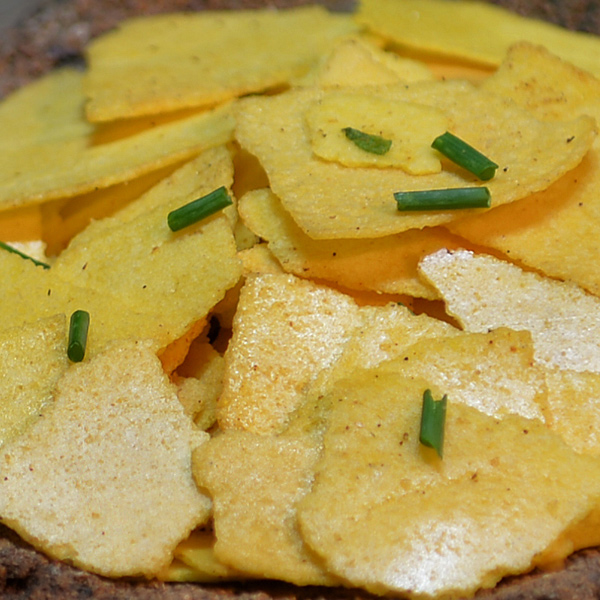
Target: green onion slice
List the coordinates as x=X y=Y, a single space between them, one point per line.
x=198 y=209
x=446 y=199
x=78 y=332
x=374 y=144
x=433 y=420
x=39 y=263
x=465 y=156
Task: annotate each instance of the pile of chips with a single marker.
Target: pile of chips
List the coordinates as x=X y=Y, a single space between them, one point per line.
x=249 y=400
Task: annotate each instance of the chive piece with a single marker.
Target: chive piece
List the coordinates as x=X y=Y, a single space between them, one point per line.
x=433 y=420
x=465 y=156
x=448 y=199
x=39 y=263
x=78 y=331
x=198 y=209
x=374 y=144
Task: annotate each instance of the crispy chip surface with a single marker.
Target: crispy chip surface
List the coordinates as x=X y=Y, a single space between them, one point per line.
x=385 y=517
x=387 y=264
x=328 y=200
x=32 y=359
x=61 y=144
x=561 y=221
x=472 y=31
x=408 y=127
x=107 y=471
x=255 y=482
x=199 y=59
x=485 y=293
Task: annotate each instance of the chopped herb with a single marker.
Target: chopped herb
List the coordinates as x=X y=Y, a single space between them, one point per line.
x=433 y=420
x=23 y=255
x=465 y=156
x=447 y=199
x=78 y=332
x=374 y=144
x=198 y=209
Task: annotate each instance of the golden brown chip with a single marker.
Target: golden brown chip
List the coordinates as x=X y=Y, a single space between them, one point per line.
x=354 y=61
x=286 y=330
x=553 y=231
x=573 y=408
x=493 y=372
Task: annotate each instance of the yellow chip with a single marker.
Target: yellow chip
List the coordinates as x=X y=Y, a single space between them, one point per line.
x=474 y=31
x=408 y=128
x=55 y=157
x=255 y=482
x=562 y=221
x=133 y=261
x=492 y=372
x=107 y=471
x=199 y=59
x=357 y=62
x=27 y=384
x=387 y=264
x=485 y=293
x=134 y=255
x=328 y=200
x=573 y=408
x=388 y=517
x=263 y=385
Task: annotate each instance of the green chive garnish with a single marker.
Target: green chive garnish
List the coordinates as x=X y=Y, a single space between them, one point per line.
x=465 y=156
x=78 y=332
x=23 y=255
x=448 y=199
x=433 y=420
x=374 y=144
x=198 y=209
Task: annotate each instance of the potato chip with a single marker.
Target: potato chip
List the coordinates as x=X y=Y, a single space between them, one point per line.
x=485 y=293
x=60 y=145
x=254 y=482
x=387 y=264
x=493 y=372
x=263 y=385
x=154 y=271
x=201 y=59
x=573 y=408
x=387 y=517
x=200 y=383
x=562 y=221
x=62 y=219
x=328 y=200
x=107 y=471
x=474 y=31
x=409 y=128
x=354 y=61
x=115 y=263
x=27 y=383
